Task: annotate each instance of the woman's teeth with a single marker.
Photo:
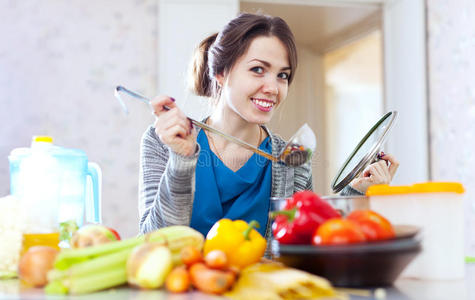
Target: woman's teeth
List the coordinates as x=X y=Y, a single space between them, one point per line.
x=263 y=103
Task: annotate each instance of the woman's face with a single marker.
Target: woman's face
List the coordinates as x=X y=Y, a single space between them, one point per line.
x=258 y=81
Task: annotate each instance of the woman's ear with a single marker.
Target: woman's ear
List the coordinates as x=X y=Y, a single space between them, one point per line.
x=220 y=79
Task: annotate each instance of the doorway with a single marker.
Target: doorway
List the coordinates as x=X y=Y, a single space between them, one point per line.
x=353 y=97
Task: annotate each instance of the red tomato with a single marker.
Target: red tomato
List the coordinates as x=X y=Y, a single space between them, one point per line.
x=338 y=231
x=374 y=226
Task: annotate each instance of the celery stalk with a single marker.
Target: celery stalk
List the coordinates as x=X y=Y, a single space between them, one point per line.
x=88 y=283
x=68 y=257
x=93 y=265
x=56 y=287
x=97 y=281
x=174 y=236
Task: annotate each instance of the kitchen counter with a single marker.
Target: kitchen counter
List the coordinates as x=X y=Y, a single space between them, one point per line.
x=403 y=289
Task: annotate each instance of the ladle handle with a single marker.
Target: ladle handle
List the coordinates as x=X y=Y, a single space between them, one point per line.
x=205 y=127
x=234 y=140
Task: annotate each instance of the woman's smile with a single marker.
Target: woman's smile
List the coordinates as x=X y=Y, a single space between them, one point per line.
x=263 y=104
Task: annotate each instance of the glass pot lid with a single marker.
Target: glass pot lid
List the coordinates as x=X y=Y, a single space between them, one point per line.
x=365 y=152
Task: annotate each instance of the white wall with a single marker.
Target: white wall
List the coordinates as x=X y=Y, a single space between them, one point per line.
x=405 y=88
x=59 y=64
x=451 y=45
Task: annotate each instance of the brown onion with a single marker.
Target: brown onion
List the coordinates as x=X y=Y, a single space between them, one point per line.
x=35 y=264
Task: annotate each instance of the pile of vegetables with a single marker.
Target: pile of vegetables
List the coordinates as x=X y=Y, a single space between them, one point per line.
x=229 y=247
x=307 y=219
x=180 y=259
x=141 y=261
x=209 y=274
x=172 y=256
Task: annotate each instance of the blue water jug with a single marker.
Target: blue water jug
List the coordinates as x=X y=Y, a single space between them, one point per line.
x=55 y=184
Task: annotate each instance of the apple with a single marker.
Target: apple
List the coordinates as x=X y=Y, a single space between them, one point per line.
x=93 y=234
x=117 y=236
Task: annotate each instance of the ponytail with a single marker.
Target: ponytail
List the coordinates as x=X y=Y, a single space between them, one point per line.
x=200 y=81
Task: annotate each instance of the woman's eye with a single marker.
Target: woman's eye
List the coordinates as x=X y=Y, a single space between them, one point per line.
x=258 y=70
x=284 y=75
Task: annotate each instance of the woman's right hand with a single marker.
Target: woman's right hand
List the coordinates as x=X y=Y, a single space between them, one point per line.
x=172 y=126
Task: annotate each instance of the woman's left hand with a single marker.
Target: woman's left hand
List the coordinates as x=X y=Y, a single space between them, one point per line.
x=380 y=172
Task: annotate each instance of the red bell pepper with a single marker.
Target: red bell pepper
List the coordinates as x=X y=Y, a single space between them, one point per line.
x=302 y=215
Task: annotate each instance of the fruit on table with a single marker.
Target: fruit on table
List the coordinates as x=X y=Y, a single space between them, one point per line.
x=114 y=232
x=35 y=264
x=93 y=234
x=374 y=226
x=338 y=231
x=242 y=244
x=148 y=265
x=302 y=215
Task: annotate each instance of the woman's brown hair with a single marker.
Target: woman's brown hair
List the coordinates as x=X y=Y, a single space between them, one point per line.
x=218 y=53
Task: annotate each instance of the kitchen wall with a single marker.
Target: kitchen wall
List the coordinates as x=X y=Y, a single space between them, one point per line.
x=59 y=64
x=451 y=45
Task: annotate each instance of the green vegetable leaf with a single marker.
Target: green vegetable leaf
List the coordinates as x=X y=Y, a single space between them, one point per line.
x=66 y=230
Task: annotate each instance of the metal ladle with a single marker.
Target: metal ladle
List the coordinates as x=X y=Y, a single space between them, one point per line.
x=296 y=152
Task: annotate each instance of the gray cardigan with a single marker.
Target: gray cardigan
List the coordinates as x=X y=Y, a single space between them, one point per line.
x=167 y=182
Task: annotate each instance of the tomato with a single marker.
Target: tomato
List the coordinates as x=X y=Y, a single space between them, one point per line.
x=338 y=231
x=374 y=225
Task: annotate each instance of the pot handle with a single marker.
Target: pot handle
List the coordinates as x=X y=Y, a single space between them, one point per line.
x=94 y=183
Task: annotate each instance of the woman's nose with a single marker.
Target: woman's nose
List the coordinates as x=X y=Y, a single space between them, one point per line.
x=270 y=87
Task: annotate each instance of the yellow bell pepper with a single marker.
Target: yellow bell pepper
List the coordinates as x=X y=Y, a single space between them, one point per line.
x=242 y=244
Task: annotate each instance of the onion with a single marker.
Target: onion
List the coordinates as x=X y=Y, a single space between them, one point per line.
x=148 y=265
x=35 y=264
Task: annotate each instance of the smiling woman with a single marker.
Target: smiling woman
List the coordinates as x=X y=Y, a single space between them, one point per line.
x=193 y=178
x=257 y=82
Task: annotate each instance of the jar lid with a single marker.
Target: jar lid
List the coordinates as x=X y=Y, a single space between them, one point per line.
x=426 y=187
